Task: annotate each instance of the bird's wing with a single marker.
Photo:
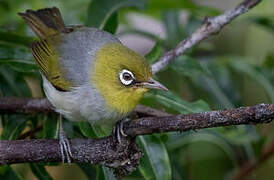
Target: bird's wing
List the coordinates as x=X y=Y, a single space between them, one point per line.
x=47 y=60
x=46 y=23
x=65 y=54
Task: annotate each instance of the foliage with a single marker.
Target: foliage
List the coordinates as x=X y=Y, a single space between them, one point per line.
x=210 y=76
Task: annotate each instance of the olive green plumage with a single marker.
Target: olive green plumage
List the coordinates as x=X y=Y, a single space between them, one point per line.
x=88 y=74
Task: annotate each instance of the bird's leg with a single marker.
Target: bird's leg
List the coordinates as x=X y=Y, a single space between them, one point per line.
x=118 y=129
x=64 y=143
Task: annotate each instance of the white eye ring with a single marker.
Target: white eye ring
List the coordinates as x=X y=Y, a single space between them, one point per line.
x=126 y=81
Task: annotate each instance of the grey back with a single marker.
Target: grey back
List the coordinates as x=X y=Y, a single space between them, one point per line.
x=76 y=51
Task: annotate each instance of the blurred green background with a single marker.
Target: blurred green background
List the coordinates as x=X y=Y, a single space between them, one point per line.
x=233 y=69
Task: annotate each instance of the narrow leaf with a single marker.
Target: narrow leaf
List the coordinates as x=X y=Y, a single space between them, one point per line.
x=40 y=172
x=188 y=66
x=87 y=129
x=112 y=24
x=89 y=170
x=8 y=51
x=155 y=53
x=50 y=127
x=175 y=103
x=7 y=173
x=20 y=65
x=155 y=164
x=15 y=38
x=104 y=173
x=100 y=11
x=249 y=70
x=13 y=127
x=266 y=22
x=186 y=5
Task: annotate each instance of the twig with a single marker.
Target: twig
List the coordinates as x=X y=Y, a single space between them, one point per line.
x=251 y=165
x=210 y=26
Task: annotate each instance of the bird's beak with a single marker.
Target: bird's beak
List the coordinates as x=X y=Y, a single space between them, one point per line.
x=152 y=84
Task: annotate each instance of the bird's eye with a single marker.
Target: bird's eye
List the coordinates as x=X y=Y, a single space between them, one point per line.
x=126 y=77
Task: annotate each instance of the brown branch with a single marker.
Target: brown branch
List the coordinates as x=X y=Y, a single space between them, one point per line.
x=24 y=105
x=42 y=105
x=262 y=113
x=125 y=156
x=210 y=26
x=251 y=165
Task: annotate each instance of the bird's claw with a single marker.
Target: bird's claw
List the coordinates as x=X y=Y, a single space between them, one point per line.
x=118 y=130
x=65 y=148
x=64 y=143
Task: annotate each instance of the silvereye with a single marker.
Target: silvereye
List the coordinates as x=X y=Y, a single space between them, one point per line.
x=88 y=74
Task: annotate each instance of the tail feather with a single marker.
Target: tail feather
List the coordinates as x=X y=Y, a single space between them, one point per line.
x=44 y=22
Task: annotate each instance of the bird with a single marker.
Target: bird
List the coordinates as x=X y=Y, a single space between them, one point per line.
x=87 y=73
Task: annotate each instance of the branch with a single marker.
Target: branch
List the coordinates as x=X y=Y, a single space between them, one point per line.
x=251 y=165
x=125 y=155
x=42 y=105
x=262 y=113
x=24 y=105
x=106 y=151
x=209 y=27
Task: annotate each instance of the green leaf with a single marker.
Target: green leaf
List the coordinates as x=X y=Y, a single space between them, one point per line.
x=9 y=51
x=155 y=163
x=112 y=24
x=50 y=129
x=10 y=37
x=87 y=130
x=177 y=141
x=7 y=173
x=266 y=22
x=269 y=61
x=13 y=127
x=246 y=68
x=39 y=171
x=188 y=66
x=18 y=58
x=205 y=79
x=175 y=103
x=188 y=5
x=203 y=153
x=241 y=135
x=104 y=173
x=173 y=28
x=155 y=53
x=89 y=170
x=100 y=11
x=20 y=65
x=212 y=86
x=13 y=83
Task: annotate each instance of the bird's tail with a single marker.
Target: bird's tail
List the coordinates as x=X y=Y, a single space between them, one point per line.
x=44 y=22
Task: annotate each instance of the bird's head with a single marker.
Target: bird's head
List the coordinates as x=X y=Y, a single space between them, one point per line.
x=122 y=77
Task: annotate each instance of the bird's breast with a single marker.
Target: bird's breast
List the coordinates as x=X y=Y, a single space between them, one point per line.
x=82 y=103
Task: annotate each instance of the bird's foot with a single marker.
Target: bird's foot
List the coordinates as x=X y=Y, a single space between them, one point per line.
x=64 y=143
x=65 y=148
x=118 y=130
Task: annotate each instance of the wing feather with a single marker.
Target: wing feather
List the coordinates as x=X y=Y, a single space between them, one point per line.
x=47 y=60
